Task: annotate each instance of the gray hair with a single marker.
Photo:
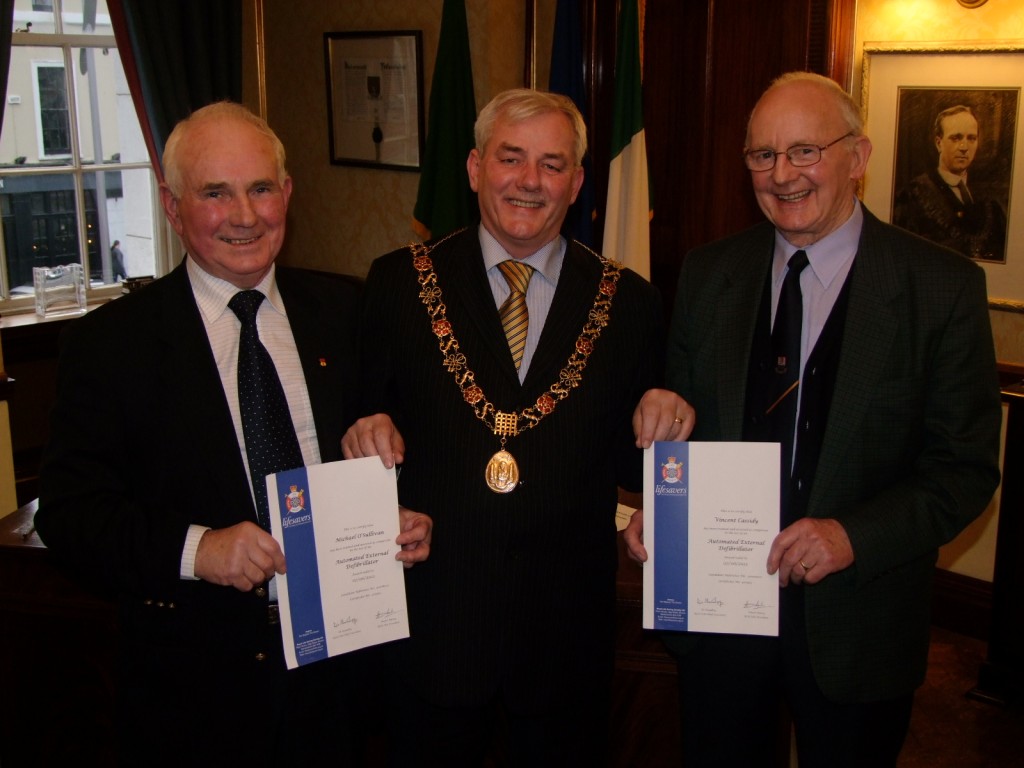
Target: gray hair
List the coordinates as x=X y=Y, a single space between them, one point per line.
x=227 y=110
x=520 y=104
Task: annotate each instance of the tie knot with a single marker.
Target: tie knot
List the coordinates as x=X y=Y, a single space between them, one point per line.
x=797 y=262
x=517 y=274
x=246 y=304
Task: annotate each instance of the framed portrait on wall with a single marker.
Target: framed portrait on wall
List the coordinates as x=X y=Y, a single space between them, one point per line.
x=952 y=166
x=948 y=160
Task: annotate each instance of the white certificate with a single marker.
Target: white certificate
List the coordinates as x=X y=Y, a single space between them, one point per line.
x=344 y=590
x=711 y=512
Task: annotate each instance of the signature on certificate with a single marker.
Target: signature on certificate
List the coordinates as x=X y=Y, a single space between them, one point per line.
x=710 y=601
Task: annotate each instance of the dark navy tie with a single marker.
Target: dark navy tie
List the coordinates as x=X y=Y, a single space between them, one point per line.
x=787 y=328
x=786 y=358
x=270 y=441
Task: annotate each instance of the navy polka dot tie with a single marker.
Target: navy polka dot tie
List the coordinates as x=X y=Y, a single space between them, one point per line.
x=270 y=441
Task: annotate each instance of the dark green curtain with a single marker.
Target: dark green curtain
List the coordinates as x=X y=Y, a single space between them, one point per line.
x=6 y=28
x=178 y=56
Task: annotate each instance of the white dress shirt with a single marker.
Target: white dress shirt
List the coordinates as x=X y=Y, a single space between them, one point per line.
x=222 y=328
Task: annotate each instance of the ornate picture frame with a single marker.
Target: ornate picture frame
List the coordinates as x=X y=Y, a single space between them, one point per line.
x=904 y=88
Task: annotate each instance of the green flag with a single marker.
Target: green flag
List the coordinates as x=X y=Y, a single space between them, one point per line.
x=445 y=201
x=627 y=235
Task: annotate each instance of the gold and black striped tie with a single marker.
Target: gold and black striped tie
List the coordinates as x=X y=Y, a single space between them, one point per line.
x=514 y=317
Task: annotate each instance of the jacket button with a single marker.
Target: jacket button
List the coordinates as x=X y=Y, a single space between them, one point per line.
x=261 y=656
x=260 y=592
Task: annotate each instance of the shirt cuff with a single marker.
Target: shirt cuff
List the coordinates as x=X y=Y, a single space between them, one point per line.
x=188 y=552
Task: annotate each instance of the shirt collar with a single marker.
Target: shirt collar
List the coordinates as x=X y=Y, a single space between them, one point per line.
x=827 y=256
x=213 y=294
x=547 y=260
x=953 y=179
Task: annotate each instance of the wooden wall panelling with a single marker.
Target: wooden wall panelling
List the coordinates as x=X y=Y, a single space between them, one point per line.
x=705 y=64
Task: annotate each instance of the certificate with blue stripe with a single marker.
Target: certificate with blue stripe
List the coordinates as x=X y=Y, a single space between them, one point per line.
x=711 y=512
x=344 y=590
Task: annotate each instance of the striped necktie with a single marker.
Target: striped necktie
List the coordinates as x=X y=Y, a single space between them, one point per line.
x=514 y=317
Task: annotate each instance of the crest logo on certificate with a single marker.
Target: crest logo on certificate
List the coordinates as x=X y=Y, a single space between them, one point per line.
x=711 y=513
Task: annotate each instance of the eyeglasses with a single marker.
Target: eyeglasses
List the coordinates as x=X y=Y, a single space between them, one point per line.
x=799 y=155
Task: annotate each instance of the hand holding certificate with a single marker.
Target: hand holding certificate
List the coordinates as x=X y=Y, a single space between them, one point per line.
x=712 y=512
x=344 y=590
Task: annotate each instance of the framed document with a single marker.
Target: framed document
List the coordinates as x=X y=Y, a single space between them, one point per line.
x=711 y=514
x=375 y=98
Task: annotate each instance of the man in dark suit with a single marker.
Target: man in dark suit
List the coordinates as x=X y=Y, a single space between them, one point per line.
x=146 y=489
x=515 y=450
x=896 y=421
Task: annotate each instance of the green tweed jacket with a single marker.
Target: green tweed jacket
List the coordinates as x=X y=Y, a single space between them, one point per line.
x=910 y=451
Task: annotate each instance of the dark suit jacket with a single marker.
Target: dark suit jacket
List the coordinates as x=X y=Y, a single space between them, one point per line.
x=928 y=207
x=518 y=594
x=142 y=445
x=910 y=450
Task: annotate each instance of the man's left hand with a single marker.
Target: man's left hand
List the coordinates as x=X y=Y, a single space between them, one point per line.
x=661 y=414
x=415 y=537
x=809 y=550
x=374 y=435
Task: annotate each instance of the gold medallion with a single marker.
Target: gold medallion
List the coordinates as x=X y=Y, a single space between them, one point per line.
x=502 y=473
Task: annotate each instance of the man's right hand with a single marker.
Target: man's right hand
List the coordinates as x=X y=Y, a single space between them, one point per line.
x=634 y=537
x=241 y=556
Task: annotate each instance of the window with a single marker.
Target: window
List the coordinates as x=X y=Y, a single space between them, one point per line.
x=52 y=109
x=76 y=184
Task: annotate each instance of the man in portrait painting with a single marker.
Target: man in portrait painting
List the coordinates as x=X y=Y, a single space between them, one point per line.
x=942 y=204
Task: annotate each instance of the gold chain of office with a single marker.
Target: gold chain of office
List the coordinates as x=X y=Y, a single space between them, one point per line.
x=502 y=472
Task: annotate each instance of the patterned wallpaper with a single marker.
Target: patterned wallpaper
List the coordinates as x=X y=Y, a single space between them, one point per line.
x=341 y=217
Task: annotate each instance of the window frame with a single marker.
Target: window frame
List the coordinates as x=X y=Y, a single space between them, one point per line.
x=163 y=237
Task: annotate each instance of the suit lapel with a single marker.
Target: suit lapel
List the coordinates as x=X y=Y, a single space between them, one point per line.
x=200 y=401
x=573 y=299
x=321 y=371
x=750 y=261
x=871 y=326
x=464 y=283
